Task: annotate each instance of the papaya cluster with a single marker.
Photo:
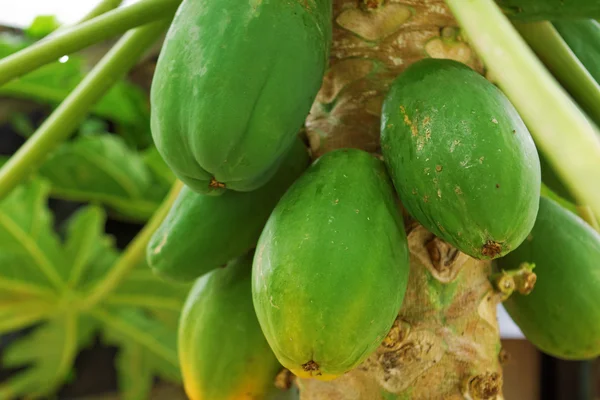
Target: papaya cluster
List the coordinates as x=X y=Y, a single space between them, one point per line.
x=304 y=264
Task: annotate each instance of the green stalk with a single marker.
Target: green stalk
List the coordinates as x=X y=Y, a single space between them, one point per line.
x=103 y=7
x=564 y=64
x=563 y=133
x=135 y=252
x=80 y=36
x=67 y=117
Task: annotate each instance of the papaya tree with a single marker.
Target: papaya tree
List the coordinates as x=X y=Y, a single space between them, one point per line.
x=355 y=186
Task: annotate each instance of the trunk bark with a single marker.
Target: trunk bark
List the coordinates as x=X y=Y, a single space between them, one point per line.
x=445 y=342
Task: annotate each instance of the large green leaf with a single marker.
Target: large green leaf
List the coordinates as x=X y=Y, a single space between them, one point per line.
x=125 y=104
x=148 y=348
x=44 y=282
x=31 y=255
x=49 y=352
x=102 y=169
x=143 y=289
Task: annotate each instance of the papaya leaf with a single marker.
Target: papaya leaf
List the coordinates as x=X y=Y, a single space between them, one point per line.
x=44 y=277
x=148 y=348
x=41 y=26
x=143 y=289
x=102 y=169
x=32 y=258
x=49 y=351
x=124 y=104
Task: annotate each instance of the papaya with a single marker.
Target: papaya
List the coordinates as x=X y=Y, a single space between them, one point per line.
x=331 y=266
x=203 y=232
x=461 y=158
x=223 y=354
x=539 y=10
x=561 y=316
x=233 y=84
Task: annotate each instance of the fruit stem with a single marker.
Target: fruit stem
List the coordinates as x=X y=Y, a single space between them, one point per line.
x=564 y=64
x=75 y=38
x=522 y=280
x=69 y=114
x=569 y=140
x=135 y=252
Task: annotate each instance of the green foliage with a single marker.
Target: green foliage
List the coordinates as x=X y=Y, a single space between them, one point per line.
x=101 y=168
x=44 y=282
x=41 y=26
x=125 y=104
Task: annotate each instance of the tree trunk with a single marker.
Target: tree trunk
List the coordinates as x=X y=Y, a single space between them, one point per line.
x=445 y=343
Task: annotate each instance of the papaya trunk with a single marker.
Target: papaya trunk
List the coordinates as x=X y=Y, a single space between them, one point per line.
x=445 y=342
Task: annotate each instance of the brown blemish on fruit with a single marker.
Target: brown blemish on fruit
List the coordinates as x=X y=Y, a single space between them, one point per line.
x=438 y=168
x=312 y=367
x=425 y=199
x=441 y=227
x=485 y=386
x=497 y=186
x=215 y=184
x=491 y=249
x=408 y=122
x=284 y=379
x=458 y=190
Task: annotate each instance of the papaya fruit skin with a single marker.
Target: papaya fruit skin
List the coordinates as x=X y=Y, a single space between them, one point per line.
x=460 y=157
x=203 y=232
x=233 y=84
x=561 y=316
x=539 y=10
x=331 y=266
x=222 y=351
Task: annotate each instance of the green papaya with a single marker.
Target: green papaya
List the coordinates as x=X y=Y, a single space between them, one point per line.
x=561 y=316
x=233 y=84
x=460 y=157
x=539 y=10
x=331 y=266
x=583 y=38
x=223 y=353
x=202 y=232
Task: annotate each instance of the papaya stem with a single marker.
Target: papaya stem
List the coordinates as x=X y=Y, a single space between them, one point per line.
x=75 y=38
x=522 y=280
x=563 y=133
x=69 y=114
x=554 y=52
x=103 y=7
x=135 y=252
